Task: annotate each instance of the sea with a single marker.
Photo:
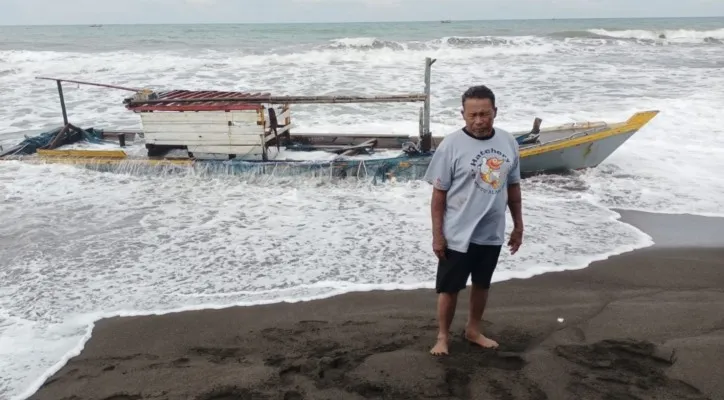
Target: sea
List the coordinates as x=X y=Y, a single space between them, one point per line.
x=77 y=246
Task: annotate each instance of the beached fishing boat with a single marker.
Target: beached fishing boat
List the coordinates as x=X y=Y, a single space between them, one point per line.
x=243 y=133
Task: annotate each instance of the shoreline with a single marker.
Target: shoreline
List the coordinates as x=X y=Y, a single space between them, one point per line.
x=672 y=230
x=402 y=306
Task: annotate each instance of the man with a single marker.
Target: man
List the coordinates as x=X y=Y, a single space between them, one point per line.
x=475 y=175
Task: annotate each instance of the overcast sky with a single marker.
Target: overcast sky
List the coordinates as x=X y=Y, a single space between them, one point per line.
x=33 y=12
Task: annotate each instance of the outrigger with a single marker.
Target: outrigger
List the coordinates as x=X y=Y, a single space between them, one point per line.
x=245 y=133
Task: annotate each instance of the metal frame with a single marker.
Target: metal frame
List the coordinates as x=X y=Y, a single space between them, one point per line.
x=178 y=103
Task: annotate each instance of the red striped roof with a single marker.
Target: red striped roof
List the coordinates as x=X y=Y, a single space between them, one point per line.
x=198 y=105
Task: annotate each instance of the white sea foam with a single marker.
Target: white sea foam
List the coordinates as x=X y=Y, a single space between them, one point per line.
x=160 y=244
x=670 y=35
x=79 y=245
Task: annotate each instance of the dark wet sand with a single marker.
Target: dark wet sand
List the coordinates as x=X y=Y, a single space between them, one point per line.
x=644 y=325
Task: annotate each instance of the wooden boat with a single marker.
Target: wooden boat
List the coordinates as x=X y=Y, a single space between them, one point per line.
x=251 y=134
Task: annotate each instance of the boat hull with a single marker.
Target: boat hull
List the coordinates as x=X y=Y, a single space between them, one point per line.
x=580 y=156
x=584 y=146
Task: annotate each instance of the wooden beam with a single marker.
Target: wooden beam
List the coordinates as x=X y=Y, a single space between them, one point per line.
x=89 y=83
x=352 y=150
x=57 y=139
x=296 y=99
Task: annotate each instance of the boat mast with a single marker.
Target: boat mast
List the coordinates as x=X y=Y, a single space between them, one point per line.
x=59 y=82
x=425 y=134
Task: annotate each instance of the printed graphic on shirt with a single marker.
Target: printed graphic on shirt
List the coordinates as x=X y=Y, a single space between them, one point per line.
x=490 y=168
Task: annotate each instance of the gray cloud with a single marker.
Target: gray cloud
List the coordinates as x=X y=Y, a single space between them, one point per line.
x=27 y=12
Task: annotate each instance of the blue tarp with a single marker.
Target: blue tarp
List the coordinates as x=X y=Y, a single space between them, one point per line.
x=31 y=144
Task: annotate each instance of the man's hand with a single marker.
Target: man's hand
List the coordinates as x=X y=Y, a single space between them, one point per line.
x=514 y=203
x=439 y=245
x=516 y=239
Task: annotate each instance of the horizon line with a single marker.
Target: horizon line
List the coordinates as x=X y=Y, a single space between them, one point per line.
x=361 y=22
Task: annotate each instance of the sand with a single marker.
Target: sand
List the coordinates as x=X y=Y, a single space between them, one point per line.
x=643 y=325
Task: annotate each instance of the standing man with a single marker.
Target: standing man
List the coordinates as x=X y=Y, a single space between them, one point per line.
x=475 y=175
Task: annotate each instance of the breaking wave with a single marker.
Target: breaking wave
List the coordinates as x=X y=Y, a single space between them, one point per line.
x=642 y=37
x=366 y=43
x=461 y=42
x=715 y=36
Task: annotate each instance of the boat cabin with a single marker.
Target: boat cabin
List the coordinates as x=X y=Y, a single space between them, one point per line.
x=211 y=124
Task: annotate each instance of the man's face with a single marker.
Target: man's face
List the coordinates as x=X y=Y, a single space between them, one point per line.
x=479 y=115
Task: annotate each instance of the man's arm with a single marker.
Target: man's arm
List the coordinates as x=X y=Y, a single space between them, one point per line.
x=438 y=203
x=439 y=174
x=515 y=205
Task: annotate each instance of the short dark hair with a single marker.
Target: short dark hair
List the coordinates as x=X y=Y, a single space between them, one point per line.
x=479 y=92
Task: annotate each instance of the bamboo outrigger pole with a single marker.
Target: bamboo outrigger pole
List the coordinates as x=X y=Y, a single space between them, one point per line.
x=295 y=99
x=425 y=133
x=90 y=84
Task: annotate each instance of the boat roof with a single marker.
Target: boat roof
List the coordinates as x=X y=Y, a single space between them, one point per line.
x=231 y=105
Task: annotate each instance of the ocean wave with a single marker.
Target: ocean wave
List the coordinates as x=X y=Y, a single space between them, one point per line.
x=28 y=63
x=715 y=36
x=559 y=39
x=366 y=43
x=462 y=42
x=644 y=37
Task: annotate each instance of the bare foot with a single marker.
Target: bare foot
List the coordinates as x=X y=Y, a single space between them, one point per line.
x=479 y=339
x=440 y=347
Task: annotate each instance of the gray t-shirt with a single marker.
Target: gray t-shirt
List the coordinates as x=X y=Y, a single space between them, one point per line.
x=475 y=172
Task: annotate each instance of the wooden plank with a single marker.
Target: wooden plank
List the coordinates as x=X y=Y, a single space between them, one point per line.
x=283 y=116
x=203 y=129
x=213 y=118
x=240 y=150
x=352 y=150
x=222 y=141
x=115 y=154
x=287 y=110
x=284 y=129
x=244 y=117
x=246 y=130
x=256 y=127
x=255 y=131
x=58 y=137
x=171 y=118
x=115 y=134
x=10 y=151
x=185 y=130
x=281 y=130
x=190 y=137
x=383 y=141
x=245 y=140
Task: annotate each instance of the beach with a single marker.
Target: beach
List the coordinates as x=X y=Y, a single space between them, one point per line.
x=80 y=247
x=641 y=325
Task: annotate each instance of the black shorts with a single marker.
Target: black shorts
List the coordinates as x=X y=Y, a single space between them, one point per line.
x=478 y=263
